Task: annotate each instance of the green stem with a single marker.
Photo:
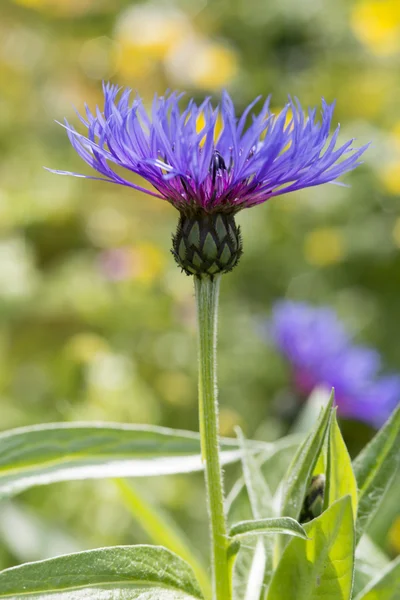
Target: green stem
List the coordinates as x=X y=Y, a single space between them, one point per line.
x=207 y=292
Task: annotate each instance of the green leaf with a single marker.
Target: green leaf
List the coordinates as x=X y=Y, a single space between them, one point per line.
x=119 y=573
x=252 y=559
x=363 y=575
x=340 y=478
x=273 y=466
x=284 y=525
x=162 y=530
x=46 y=454
x=302 y=467
x=375 y=468
x=254 y=577
x=386 y=586
x=257 y=569
x=321 y=567
x=370 y=562
x=257 y=488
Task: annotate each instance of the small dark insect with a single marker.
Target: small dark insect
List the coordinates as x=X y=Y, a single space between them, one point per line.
x=217 y=164
x=314 y=500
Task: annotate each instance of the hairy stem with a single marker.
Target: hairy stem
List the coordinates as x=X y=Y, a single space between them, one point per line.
x=207 y=292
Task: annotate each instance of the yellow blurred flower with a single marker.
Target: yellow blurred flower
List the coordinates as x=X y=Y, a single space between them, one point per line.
x=324 y=246
x=201 y=121
x=390 y=177
x=289 y=116
x=143 y=263
x=202 y=63
x=365 y=94
x=148 y=262
x=276 y=110
x=376 y=23
x=145 y=34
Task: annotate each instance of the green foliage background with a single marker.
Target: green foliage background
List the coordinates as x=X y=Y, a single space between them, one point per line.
x=97 y=321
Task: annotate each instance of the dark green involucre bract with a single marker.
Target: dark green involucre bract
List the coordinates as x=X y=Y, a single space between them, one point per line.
x=207 y=244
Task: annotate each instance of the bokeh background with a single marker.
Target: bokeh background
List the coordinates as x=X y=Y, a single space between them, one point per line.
x=97 y=323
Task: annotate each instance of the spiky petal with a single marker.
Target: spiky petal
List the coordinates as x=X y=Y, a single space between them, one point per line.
x=251 y=158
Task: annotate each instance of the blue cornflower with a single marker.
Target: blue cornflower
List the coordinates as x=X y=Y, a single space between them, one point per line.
x=206 y=173
x=322 y=353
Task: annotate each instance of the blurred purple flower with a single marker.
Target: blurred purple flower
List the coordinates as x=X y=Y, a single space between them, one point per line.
x=194 y=168
x=321 y=353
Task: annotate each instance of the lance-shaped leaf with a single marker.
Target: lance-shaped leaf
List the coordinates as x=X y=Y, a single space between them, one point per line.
x=254 y=582
x=340 y=478
x=370 y=562
x=285 y=525
x=47 y=454
x=386 y=586
x=273 y=465
x=375 y=468
x=320 y=567
x=257 y=571
x=302 y=467
x=119 y=573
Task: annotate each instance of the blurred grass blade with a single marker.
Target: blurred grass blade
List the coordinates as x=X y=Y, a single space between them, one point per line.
x=50 y=453
x=284 y=525
x=29 y=535
x=301 y=469
x=162 y=530
x=340 y=478
x=321 y=566
x=255 y=579
x=386 y=586
x=374 y=468
x=260 y=499
x=104 y=574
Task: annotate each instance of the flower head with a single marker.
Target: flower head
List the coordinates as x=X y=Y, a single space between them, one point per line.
x=194 y=168
x=321 y=353
x=203 y=168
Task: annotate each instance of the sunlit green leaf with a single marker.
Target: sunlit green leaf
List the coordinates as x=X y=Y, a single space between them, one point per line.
x=375 y=468
x=301 y=469
x=285 y=525
x=340 y=478
x=321 y=567
x=119 y=573
x=46 y=454
x=386 y=586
